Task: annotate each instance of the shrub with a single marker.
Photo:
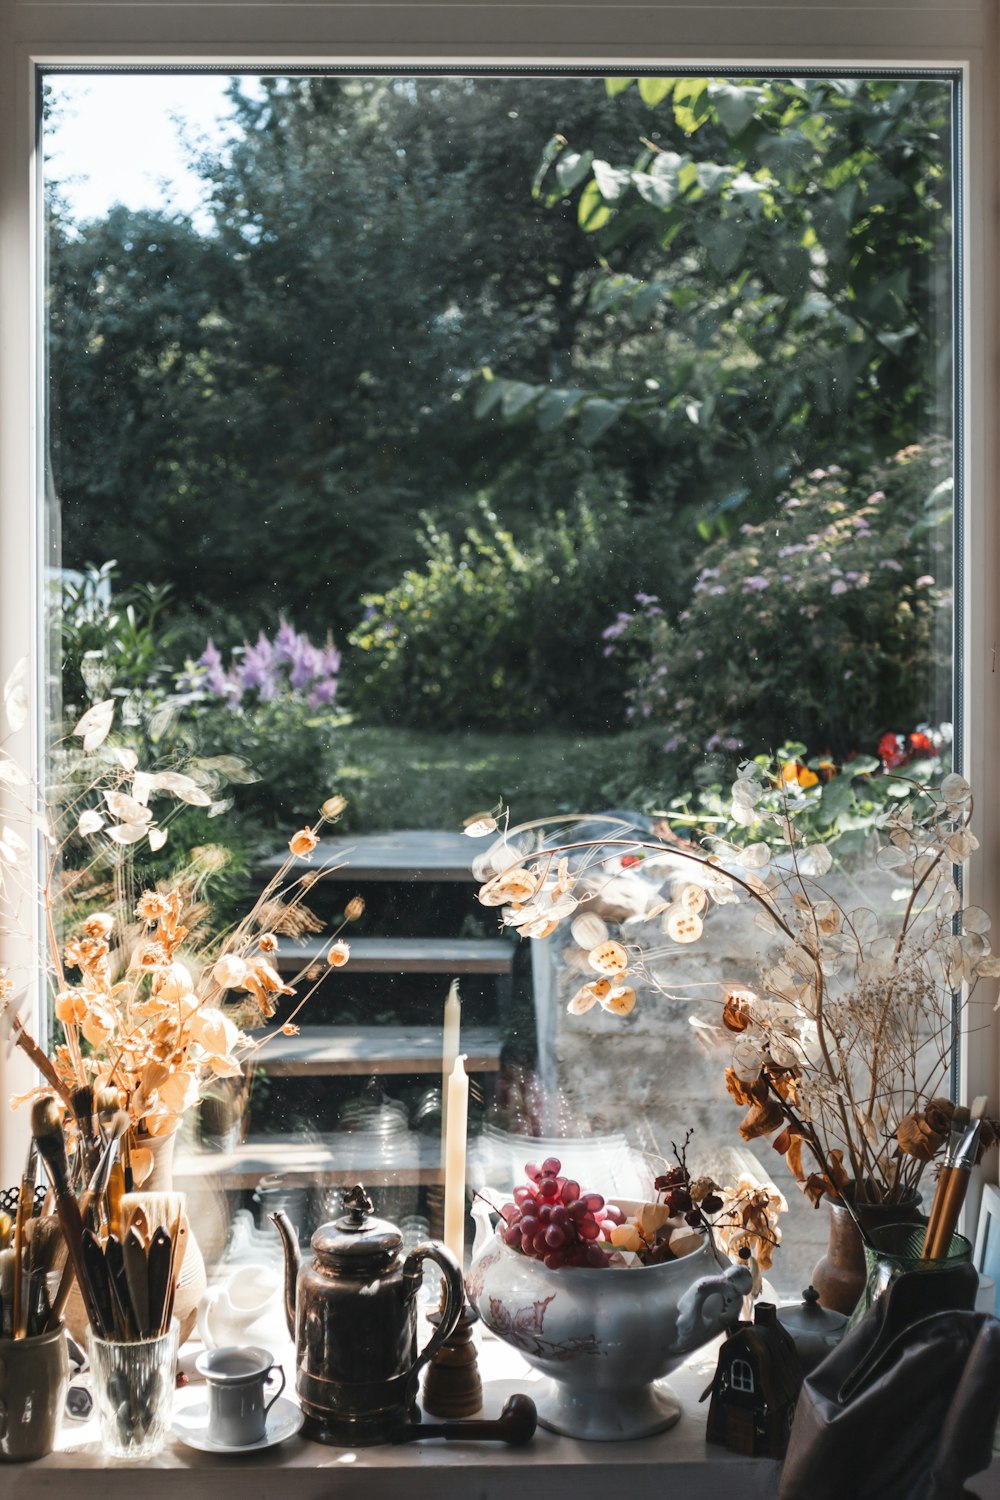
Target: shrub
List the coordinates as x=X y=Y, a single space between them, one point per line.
x=110 y=640
x=496 y=633
x=821 y=624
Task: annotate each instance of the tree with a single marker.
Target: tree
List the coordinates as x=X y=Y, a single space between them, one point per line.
x=775 y=264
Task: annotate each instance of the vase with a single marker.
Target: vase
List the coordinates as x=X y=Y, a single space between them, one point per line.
x=604 y=1338
x=192 y=1280
x=34 y=1379
x=840 y=1275
x=896 y=1250
x=133 y=1385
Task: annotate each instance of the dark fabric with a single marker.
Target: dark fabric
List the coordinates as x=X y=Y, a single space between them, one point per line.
x=905 y=1407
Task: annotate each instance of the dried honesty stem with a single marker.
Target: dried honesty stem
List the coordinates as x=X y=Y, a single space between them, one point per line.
x=841 y=1047
x=147 y=1006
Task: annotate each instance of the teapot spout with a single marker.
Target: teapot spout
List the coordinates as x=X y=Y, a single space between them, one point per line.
x=292 y=1261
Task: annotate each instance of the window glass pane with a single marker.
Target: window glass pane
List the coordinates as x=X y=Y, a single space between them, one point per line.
x=443 y=442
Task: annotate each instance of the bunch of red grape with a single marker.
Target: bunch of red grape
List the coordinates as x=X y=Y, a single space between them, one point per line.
x=552 y=1220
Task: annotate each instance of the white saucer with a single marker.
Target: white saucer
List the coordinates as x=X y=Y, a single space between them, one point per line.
x=190 y=1424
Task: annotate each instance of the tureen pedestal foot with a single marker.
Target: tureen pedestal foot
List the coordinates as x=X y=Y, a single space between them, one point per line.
x=606 y=1416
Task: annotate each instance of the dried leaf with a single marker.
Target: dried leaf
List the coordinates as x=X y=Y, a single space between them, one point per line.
x=90 y=822
x=128 y=833
x=608 y=958
x=11 y=772
x=126 y=808
x=181 y=787
x=95 y=725
x=479 y=827
x=15 y=696
x=589 y=930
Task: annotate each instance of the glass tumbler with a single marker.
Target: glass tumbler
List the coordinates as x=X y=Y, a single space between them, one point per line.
x=133 y=1392
x=895 y=1248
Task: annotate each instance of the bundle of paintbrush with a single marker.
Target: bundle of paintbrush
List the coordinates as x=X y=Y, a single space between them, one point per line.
x=29 y=1247
x=124 y=1250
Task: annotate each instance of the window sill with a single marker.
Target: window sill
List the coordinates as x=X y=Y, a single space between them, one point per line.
x=569 y=1470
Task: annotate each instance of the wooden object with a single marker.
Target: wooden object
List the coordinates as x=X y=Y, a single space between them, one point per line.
x=411 y=854
x=755 y=1388
x=360 y=1051
x=452 y=1385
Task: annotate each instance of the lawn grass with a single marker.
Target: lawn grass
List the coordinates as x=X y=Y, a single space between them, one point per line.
x=404 y=778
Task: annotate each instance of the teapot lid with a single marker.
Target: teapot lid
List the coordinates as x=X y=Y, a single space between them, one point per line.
x=808 y=1316
x=359 y=1234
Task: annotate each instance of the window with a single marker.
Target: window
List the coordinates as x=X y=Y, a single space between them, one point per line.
x=18 y=549
x=742 y=1376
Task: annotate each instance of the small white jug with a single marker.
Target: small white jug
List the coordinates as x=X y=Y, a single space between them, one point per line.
x=247 y=1307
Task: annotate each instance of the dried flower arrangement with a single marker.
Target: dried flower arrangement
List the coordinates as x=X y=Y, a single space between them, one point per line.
x=841 y=1046
x=156 y=1008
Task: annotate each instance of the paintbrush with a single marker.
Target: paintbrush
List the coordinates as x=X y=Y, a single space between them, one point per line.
x=6 y=1230
x=6 y=1293
x=159 y=1257
x=25 y=1210
x=83 y=1110
x=100 y=1280
x=953 y=1180
x=46 y=1127
x=137 y=1280
x=98 y=1184
x=115 y=1261
x=107 y=1103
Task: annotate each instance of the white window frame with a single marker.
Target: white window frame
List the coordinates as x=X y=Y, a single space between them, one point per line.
x=658 y=34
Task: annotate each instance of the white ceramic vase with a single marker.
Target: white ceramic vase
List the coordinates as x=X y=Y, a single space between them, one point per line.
x=605 y=1338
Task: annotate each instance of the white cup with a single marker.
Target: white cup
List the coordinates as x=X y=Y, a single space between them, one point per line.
x=237 y=1411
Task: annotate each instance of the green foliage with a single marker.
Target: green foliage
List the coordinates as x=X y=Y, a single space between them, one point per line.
x=837 y=805
x=258 y=413
x=110 y=640
x=772 y=268
x=495 y=633
x=831 y=595
x=291 y=751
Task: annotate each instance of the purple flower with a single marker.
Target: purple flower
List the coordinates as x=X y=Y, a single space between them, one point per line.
x=839 y=586
x=214 y=679
x=672 y=744
x=755 y=584
x=285 y=642
x=323 y=693
x=891 y=564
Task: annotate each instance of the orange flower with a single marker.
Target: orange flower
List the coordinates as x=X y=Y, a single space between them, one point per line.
x=303 y=843
x=267 y=942
x=338 y=955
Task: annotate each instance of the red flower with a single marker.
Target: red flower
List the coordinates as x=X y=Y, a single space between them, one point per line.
x=892 y=751
x=628 y=860
x=921 y=744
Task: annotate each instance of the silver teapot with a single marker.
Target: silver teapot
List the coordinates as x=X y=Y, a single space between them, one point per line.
x=352 y=1312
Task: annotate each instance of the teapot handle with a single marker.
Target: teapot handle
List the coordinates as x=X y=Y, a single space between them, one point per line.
x=454 y=1293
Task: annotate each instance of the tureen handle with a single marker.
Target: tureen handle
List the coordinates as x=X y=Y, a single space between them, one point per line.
x=694 y=1325
x=454 y=1293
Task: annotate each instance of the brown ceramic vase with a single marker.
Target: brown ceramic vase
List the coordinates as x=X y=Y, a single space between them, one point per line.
x=841 y=1274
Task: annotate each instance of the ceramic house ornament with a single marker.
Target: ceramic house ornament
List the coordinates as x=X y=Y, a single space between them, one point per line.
x=755 y=1388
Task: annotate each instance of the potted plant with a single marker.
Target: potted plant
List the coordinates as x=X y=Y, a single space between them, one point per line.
x=841 y=1042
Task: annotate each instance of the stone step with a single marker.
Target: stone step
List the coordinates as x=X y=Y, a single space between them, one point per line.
x=452 y=956
x=329 y=1051
x=410 y=854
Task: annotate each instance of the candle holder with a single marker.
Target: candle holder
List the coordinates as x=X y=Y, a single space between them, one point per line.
x=452 y=1387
